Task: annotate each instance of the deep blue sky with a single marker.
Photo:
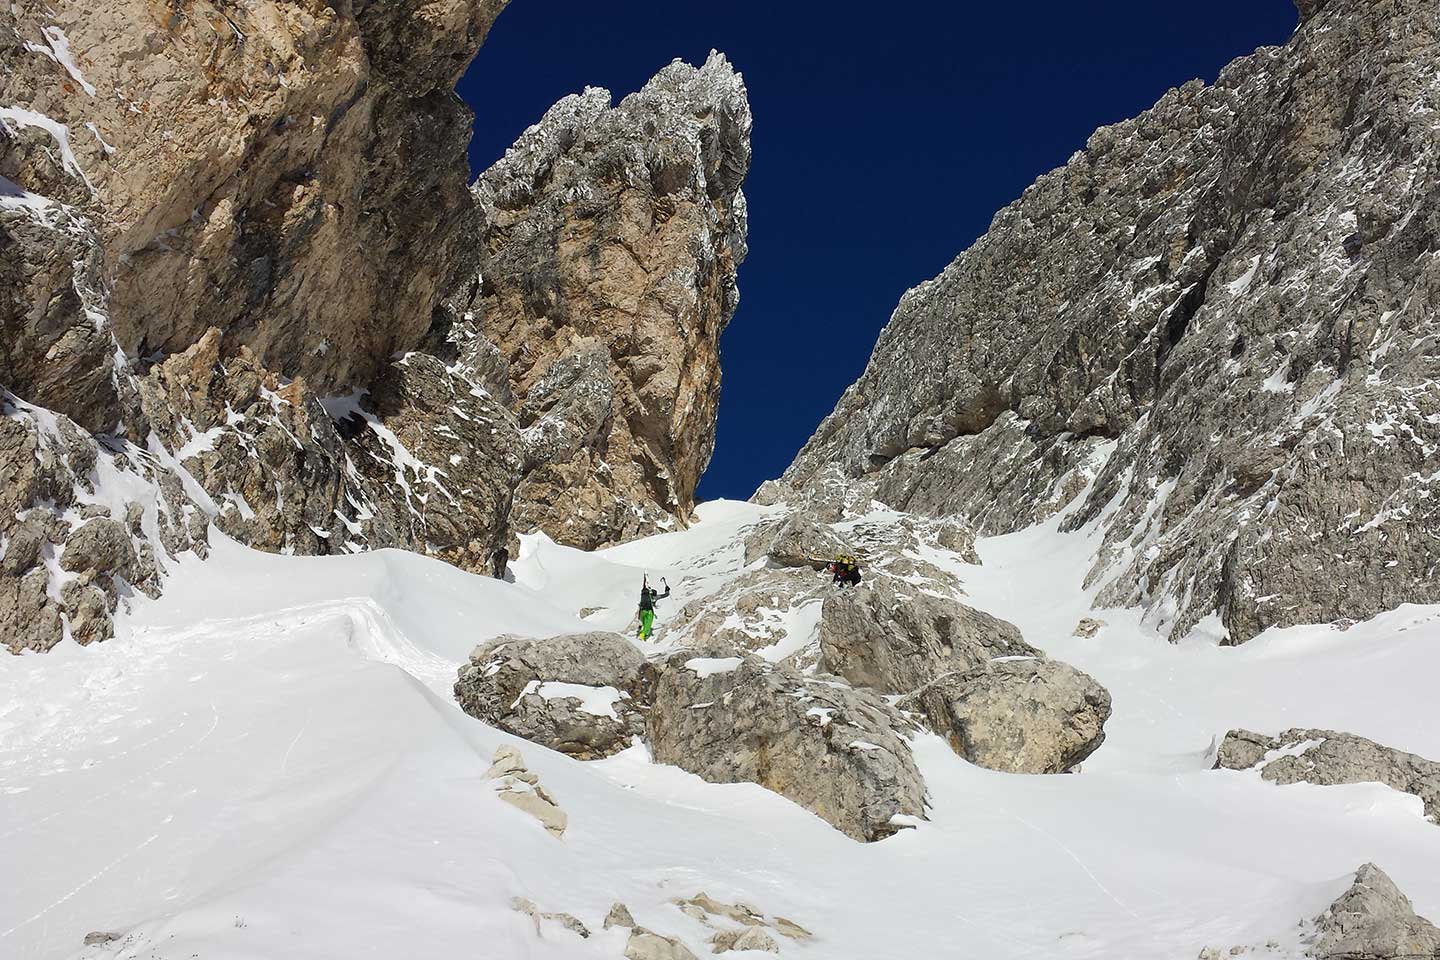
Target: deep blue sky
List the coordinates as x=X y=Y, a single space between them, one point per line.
x=886 y=137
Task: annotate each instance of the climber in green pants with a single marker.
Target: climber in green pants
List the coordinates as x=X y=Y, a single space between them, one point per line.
x=648 y=596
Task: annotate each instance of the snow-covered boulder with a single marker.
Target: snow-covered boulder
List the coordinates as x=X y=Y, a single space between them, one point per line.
x=829 y=748
x=1023 y=715
x=896 y=639
x=1373 y=920
x=579 y=694
x=1329 y=757
x=764 y=609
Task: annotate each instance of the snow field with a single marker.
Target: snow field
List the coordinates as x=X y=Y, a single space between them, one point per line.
x=267 y=762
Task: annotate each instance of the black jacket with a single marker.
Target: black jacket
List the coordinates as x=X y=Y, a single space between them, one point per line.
x=648 y=596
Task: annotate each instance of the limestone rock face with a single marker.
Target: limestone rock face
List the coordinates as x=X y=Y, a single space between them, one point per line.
x=235 y=241
x=607 y=252
x=579 y=694
x=423 y=461
x=213 y=219
x=1216 y=311
x=52 y=350
x=1018 y=716
x=896 y=641
x=829 y=748
x=268 y=457
x=1373 y=920
x=1328 y=757
x=444 y=456
x=269 y=169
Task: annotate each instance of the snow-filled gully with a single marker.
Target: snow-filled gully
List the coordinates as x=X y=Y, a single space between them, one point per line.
x=267 y=762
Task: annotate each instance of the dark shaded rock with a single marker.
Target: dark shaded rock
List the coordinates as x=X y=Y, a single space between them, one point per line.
x=22 y=550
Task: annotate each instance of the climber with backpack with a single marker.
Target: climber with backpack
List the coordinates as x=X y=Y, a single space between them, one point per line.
x=648 y=596
x=846 y=571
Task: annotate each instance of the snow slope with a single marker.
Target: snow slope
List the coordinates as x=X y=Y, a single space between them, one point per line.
x=267 y=763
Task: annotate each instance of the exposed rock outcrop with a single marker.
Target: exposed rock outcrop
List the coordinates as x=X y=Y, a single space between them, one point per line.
x=796 y=541
x=760 y=610
x=579 y=694
x=520 y=788
x=1018 y=716
x=1373 y=920
x=197 y=207
x=53 y=352
x=829 y=748
x=227 y=264
x=422 y=461
x=106 y=515
x=1328 y=757
x=1218 y=312
x=544 y=919
x=996 y=699
x=895 y=640
x=754 y=931
x=648 y=945
x=270 y=169
x=608 y=250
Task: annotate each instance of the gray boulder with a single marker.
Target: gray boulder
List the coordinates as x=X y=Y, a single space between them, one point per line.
x=1017 y=716
x=1328 y=757
x=801 y=538
x=957 y=536
x=1373 y=920
x=22 y=550
x=896 y=640
x=29 y=618
x=648 y=945
x=101 y=546
x=831 y=749
x=579 y=694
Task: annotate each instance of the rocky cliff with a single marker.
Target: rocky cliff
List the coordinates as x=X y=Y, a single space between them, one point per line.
x=229 y=238
x=266 y=169
x=1212 y=333
x=608 y=246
